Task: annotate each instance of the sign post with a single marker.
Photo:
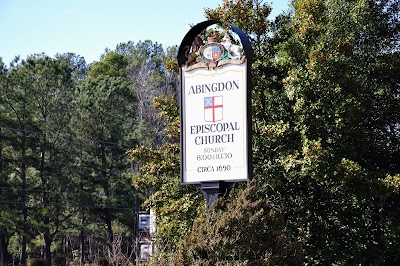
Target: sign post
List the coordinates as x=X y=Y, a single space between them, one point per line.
x=215 y=109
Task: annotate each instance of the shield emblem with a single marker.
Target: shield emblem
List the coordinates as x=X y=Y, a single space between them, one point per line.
x=212 y=51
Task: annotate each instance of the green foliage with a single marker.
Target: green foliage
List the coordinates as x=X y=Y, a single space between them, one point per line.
x=393 y=182
x=112 y=65
x=245 y=229
x=339 y=136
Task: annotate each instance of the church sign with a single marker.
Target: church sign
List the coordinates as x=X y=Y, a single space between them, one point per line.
x=215 y=106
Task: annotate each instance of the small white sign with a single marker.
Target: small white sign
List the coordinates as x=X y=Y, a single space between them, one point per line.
x=214 y=124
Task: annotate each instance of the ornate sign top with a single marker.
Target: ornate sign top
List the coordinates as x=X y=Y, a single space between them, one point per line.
x=213 y=54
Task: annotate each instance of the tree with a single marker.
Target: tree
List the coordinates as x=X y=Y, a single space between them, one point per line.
x=7 y=223
x=150 y=79
x=112 y=65
x=53 y=88
x=340 y=137
x=35 y=103
x=105 y=108
x=18 y=135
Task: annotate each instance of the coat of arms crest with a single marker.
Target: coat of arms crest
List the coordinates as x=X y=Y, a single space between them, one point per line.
x=213 y=54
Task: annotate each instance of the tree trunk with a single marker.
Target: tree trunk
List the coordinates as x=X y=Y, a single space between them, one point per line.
x=45 y=201
x=24 y=255
x=109 y=230
x=82 y=243
x=106 y=187
x=82 y=232
x=47 y=248
x=4 y=248
x=3 y=233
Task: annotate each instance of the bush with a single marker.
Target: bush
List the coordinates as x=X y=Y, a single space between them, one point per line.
x=246 y=229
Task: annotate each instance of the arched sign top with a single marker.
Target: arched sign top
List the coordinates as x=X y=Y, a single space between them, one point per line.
x=197 y=29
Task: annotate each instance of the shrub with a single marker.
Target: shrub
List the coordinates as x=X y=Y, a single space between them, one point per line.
x=245 y=229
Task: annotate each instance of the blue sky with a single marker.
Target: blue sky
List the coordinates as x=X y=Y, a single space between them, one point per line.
x=88 y=27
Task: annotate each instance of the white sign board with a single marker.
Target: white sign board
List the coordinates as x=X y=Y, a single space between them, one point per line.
x=214 y=124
